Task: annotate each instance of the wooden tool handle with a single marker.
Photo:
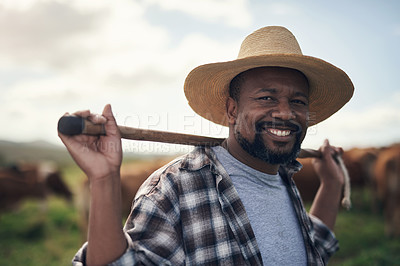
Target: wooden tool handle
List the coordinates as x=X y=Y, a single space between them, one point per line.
x=75 y=125
x=309 y=153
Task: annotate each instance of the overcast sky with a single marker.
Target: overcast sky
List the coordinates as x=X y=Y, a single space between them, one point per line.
x=62 y=56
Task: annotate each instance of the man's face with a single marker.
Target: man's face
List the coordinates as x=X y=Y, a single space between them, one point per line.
x=271 y=114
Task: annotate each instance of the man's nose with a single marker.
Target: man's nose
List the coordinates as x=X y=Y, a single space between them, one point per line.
x=283 y=111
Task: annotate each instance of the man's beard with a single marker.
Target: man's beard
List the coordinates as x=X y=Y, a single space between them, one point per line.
x=259 y=150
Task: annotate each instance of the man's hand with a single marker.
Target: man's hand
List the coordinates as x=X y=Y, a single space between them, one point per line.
x=97 y=156
x=100 y=158
x=327 y=168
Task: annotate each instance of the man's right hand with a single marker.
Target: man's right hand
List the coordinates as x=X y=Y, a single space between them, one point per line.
x=100 y=158
x=97 y=156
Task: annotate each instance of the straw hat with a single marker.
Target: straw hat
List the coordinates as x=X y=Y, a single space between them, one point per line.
x=207 y=86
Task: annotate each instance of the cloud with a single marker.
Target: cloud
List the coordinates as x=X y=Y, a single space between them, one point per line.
x=105 y=41
x=71 y=55
x=44 y=33
x=234 y=13
x=64 y=35
x=283 y=9
x=379 y=125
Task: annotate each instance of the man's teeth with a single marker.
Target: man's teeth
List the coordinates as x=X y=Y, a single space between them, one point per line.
x=279 y=133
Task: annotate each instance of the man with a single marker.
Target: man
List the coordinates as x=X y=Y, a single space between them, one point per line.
x=234 y=204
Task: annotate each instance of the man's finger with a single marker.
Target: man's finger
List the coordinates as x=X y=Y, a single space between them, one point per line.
x=111 y=125
x=82 y=113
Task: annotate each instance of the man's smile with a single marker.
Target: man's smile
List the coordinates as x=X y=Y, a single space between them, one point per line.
x=281 y=131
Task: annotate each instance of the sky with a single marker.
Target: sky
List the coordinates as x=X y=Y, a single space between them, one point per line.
x=68 y=55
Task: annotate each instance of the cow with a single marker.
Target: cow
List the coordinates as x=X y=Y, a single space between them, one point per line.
x=360 y=164
x=18 y=183
x=358 y=161
x=132 y=177
x=307 y=180
x=387 y=181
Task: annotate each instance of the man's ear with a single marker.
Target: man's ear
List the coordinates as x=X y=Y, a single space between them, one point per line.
x=231 y=110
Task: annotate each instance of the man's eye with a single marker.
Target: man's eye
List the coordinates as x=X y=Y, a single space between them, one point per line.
x=299 y=102
x=266 y=98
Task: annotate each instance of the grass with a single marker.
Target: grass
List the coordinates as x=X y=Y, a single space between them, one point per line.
x=32 y=236
x=362 y=241
x=361 y=236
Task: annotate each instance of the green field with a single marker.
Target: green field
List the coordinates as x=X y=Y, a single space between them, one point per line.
x=33 y=236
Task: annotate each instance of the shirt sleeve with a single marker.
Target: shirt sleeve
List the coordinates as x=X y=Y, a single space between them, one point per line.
x=152 y=238
x=324 y=239
x=80 y=257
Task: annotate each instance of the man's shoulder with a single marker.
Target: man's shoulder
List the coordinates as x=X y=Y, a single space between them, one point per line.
x=178 y=172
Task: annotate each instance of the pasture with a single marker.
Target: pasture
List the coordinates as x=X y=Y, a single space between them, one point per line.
x=32 y=235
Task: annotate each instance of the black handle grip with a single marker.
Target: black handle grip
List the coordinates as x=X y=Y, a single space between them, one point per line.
x=76 y=125
x=71 y=125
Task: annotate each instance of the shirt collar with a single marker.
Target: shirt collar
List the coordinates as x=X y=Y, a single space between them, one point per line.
x=204 y=156
x=197 y=159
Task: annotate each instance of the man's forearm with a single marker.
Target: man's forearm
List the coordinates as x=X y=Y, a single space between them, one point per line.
x=106 y=240
x=326 y=203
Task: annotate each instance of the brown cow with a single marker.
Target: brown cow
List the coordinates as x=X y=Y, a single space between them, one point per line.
x=29 y=181
x=387 y=174
x=359 y=163
x=132 y=177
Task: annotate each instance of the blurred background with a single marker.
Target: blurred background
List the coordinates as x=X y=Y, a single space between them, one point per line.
x=64 y=55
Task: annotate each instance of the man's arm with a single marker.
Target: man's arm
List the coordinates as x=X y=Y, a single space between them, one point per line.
x=100 y=158
x=327 y=200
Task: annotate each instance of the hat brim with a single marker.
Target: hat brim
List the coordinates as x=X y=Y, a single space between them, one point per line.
x=207 y=86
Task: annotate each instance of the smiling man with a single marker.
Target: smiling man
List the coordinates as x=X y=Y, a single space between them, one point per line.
x=234 y=204
x=268 y=116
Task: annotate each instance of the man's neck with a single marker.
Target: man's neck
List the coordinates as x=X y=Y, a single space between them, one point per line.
x=234 y=148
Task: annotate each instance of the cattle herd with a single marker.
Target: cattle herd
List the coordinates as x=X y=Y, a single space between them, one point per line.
x=23 y=181
x=377 y=169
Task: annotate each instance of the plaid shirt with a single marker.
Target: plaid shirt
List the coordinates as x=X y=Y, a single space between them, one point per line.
x=189 y=213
